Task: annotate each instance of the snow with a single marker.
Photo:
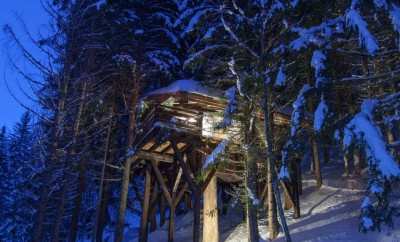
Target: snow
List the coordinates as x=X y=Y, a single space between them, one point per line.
x=367 y=222
x=376 y=188
x=200 y=53
x=181 y=4
x=328 y=214
x=298 y=107
x=320 y=115
x=363 y=128
x=100 y=3
x=283 y=173
x=252 y=197
x=336 y=135
x=316 y=34
x=193 y=21
x=347 y=137
x=166 y=18
x=231 y=65
x=394 y=15
x=294 y=3
x=365 y=38
x=317 y=62
x=124 y=58
x=366 y=203
x=230 y=108
x=280 y=77
x=380 y=3
x=211 y=158
x=185 y=85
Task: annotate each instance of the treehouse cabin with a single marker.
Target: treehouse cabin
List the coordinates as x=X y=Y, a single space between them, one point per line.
x=178 y=130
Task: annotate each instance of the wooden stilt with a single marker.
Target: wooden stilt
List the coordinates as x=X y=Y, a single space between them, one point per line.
x=162 y=210
x=123 y=199
x=171 y=224
x=210 y=212
x=195 y=188
x=145 y=209
x=188 y=201
x=153 y=208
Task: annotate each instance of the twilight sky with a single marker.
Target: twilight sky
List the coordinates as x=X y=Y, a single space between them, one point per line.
x=31 y=12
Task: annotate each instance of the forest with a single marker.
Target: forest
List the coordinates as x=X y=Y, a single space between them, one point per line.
x=206 y=120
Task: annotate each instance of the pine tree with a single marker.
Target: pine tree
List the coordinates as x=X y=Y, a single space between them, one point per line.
x=20 y=199
x=4 y=184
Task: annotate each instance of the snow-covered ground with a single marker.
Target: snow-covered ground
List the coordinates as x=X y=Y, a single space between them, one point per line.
x=327 y=214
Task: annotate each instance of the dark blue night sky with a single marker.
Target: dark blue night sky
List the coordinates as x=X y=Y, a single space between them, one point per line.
x=31 y=12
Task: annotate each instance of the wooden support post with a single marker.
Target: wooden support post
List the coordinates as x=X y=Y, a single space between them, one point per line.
x=195 y=188
x=162 y=210
x=171 y=224
x=123 y=200
x=144 y=221
x=161 y=181
x=317 y=162
x=188 y=201
x=210 y=212
x=153 y=208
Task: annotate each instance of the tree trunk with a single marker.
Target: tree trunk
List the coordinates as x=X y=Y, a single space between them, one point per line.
x=44 y=197
x=101 y=208
x=101 y=220
x=271 y=204
x=326 y=153
x=251 y=199
x=60 y=214
x=317 y=163
x=346 y=164
x=119 y=232
x=210 y=212
x=273 y=189
x=299 y=178
x=295 y=187
x=77 y=203
x=357 y=161
x=287 y=203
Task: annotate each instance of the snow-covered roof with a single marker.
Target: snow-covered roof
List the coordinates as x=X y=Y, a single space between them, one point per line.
x=188 y=86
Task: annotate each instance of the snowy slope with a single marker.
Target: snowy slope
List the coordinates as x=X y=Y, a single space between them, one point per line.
x=328 y=214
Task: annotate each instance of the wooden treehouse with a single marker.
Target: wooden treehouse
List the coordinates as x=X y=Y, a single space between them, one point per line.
x=178 y=130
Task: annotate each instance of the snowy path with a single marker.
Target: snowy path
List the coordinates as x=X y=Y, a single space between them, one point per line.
x=328 y=214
